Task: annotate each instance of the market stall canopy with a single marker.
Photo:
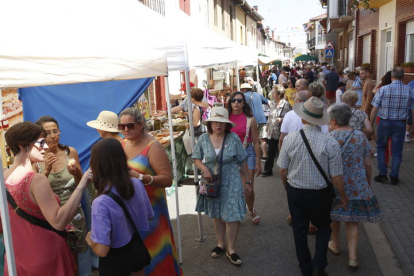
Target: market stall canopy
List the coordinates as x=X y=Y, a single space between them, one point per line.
x=269 y=60
x=305 y=58
x=204 y=47
x=48 y=42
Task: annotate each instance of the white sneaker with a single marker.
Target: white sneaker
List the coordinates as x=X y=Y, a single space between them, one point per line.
x=407 y=139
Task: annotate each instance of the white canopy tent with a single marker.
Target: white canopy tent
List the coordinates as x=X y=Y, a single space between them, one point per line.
x=59 y=42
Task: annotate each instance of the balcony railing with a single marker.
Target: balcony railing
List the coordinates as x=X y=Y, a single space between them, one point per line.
x=344 y=9
x=156 y=5
x=311 y=43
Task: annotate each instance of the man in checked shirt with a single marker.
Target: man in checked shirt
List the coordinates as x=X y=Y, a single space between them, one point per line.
x=307 y=190
x=391 y=103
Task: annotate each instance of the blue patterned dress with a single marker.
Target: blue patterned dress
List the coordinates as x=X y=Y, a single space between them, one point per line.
x=363 y=205
x=231 y=205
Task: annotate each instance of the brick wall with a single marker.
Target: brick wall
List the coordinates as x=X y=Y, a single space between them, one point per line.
x=367 y=24
x=404 y=14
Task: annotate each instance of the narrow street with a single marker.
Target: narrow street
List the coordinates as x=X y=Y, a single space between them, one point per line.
x=268 y=248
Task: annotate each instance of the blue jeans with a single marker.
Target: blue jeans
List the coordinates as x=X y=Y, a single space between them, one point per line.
x=395 y=130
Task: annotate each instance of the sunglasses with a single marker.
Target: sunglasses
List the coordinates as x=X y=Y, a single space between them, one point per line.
x=236 y=100
x=54 y=132
x=40 y=144
x=129 y=126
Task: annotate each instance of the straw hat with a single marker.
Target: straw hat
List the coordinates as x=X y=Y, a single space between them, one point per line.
x=312 y=111
x=106 y=121
x=245 y=85
x=219 y=114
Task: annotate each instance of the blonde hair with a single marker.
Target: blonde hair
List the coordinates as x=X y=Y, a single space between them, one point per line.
x=279 y=89
x=350 y=97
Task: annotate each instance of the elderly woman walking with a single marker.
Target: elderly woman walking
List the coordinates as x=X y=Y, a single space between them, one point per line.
x=278 y=109
x=363 y=206
x=229 y=208
x=359 y=119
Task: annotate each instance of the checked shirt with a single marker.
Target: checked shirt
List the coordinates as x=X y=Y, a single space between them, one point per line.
x=393 y=101
x=302 y=171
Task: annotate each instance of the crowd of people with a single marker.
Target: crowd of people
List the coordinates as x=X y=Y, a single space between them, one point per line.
x=316 y=122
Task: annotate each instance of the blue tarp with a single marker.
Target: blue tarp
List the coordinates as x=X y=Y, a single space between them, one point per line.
x=73 y=105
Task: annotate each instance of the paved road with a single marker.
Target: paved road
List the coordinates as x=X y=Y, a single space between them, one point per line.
x=266 y=249
x=398 y=205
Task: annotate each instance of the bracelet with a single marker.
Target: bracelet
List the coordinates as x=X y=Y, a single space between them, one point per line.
x=152 y=179
x=248 y=183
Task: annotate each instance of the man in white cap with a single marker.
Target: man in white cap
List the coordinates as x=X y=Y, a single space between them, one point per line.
x=309 y=194
x=256 y=87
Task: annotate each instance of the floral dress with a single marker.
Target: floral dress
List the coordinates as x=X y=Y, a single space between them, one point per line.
x=273 y=127
x=357 y=120
x=230 y=206
x=363 y=205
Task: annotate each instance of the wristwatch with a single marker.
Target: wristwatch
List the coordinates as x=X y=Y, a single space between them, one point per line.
x=248 y=183
x=140 y=176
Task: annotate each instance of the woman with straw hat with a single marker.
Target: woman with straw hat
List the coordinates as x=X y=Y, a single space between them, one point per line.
x=106 y=125
x=230 y=207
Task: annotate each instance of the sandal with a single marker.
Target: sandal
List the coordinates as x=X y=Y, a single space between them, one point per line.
x=255 y=216
x=333 y=249
x=217 y=251
x=234 y=258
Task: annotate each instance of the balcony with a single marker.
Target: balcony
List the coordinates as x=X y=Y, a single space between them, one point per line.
x=340 y=13
x=376 y=4
x=311 y=43
x=321 y=42
x=156 y=5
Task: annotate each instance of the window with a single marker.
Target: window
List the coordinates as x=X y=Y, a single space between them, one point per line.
x=215 y=13
x=231 y=23
x=366 y=49
x=223 y=21
x=409 y=42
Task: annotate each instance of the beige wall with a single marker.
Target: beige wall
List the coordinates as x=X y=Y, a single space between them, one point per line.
x=240 y=26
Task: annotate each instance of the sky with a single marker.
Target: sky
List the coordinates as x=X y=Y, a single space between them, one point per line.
x=282 y=16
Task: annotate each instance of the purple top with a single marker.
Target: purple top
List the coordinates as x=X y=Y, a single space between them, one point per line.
x=109 y=224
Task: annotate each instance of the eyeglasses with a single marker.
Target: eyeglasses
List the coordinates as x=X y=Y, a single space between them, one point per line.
x=129 y=126
x=40 y=144
x=236 y=100
x=54 y=132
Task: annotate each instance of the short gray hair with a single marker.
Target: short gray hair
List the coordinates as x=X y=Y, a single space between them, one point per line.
x=137 y=115
x=303 y=81
x=350 y=97
x=303 y=96
x=317 y=89
x=397 y=73
x=341 y=113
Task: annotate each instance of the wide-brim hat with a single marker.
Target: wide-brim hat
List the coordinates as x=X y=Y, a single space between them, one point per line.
x=312 y=111
x=106 y=121
x=219 y=114
x=245 y=85
x=358 y=68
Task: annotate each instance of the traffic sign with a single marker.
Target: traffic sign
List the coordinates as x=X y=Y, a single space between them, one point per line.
x=329 y=53
x=329 y=45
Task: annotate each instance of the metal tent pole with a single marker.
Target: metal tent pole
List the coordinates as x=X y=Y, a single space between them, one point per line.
x=237 y=76
x=201 y=236
x=5 y=218
x=174 y=161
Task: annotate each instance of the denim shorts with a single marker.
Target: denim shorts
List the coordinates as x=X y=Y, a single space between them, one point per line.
x=251 y=157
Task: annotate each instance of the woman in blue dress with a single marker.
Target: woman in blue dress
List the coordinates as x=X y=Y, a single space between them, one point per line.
x=363 y=205
x=230 y=207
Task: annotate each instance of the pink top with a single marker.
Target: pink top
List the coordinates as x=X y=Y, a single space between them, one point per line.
x=240 y=128
x=37 y=251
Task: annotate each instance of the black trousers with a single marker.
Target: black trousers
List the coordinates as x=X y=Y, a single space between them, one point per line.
x=314 y=206
x=272 y=152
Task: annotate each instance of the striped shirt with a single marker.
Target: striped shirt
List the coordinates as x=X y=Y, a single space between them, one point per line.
x=394 y=100
x=302 y=171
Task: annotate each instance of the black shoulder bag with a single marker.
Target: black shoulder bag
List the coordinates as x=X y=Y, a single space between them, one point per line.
x=121 y=204
x=33 y=220
x=331 y=190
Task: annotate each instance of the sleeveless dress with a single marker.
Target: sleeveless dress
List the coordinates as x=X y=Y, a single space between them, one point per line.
x=37 y=251
x=63 y=185
x=159 y=239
